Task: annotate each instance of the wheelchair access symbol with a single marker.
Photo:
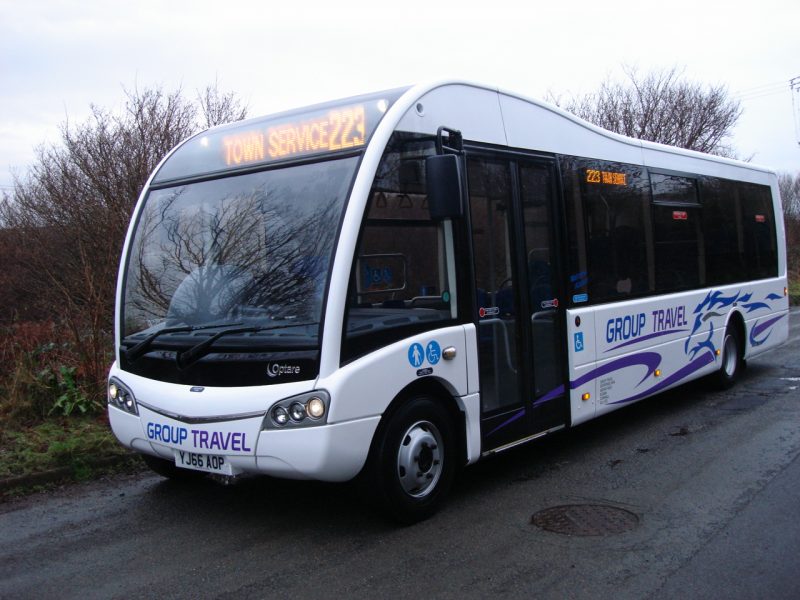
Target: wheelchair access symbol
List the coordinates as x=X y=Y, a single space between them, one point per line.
x=417 y=355
x=433 y=352
x=579 y=341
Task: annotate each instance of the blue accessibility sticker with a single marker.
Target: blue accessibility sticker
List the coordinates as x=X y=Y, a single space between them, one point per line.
x=433 y=352
x=579 y=342
x=415 y=355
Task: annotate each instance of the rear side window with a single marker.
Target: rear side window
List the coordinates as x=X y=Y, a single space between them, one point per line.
x=723 y=232
x=758 y=219
x=678 y=233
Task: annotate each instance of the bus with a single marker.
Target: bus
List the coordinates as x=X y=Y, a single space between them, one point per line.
x=397 y=285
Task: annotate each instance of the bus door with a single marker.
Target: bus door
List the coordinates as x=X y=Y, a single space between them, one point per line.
x=519 y=315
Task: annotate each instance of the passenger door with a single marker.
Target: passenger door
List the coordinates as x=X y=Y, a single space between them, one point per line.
x=519 y=317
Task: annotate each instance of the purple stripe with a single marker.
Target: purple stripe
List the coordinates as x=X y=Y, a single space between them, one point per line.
x=508 y=421
x=646 y=337
x=693 y=366
x=759 y=328
x=651 y=360
x=552 y=394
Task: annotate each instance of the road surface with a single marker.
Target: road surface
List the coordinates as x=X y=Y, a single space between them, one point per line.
x=709 y=482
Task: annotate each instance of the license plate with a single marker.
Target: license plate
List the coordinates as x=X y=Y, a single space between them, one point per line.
x=209 y=463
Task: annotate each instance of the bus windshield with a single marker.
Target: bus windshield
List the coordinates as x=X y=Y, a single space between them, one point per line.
x=249 y=251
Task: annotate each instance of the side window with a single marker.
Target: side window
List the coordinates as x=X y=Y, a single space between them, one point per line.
x=609 y=230
x=722 y=231
x=400 y=284
x=758 y=219
x=679 y=247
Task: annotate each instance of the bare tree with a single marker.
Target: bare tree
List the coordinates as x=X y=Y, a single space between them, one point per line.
x=789 y=186
x=661 y=106
x=219 y=107
x=68 y=216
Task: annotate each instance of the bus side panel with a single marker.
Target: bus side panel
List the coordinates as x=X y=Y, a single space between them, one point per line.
x=649 y=345
x=368 y=385
x=582 y=344
x=766 y=330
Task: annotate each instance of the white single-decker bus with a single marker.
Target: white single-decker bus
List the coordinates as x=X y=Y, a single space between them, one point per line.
x=398 y=284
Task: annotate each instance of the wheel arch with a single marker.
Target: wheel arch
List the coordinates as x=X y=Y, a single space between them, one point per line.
x=435 y=388
x=736 y=322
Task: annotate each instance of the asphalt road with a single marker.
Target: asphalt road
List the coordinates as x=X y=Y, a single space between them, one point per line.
x=712 y=480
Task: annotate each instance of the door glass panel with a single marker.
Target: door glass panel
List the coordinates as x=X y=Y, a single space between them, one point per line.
x=490 y=205
x=536 y=189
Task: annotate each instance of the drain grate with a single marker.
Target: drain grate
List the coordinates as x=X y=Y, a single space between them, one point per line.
x=585 y=519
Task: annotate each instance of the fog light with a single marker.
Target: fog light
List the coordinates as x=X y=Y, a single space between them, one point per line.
x=279 y=415
x=297 y=411
x=315 y=408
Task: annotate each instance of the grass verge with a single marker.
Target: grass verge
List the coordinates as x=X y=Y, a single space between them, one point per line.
x=794 y=293
x=58 y=450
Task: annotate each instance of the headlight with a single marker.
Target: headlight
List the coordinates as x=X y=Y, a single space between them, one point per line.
x=315 y=407
x=299 y=411
x=121 y=397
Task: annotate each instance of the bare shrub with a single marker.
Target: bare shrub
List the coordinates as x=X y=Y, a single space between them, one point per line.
x=63 y=226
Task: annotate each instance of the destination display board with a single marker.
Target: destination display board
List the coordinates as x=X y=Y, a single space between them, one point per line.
x=330 y=128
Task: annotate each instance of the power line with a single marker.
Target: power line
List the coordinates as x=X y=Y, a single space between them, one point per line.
x=761 y=91
x=758 y=88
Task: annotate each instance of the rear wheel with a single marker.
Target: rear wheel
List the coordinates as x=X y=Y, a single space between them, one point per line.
x=413 y=463
x=732 y=361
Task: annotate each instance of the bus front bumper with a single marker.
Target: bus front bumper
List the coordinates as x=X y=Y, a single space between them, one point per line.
x=332 y=452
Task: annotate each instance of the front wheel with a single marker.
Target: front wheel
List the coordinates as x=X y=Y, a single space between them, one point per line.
x=732 y=361
x=413 y=463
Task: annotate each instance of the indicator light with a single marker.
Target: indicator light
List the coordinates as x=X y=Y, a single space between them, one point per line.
x=279 y=415
x=586 y=396
x=657 y=373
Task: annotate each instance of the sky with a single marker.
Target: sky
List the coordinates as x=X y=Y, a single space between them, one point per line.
x=59 y=57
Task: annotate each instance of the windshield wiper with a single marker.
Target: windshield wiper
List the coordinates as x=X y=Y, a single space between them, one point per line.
x=135 y=352
x=188 y=357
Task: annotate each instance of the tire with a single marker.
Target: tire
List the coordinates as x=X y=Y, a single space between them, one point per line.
x=732 y=363
x=413 y=462
x=168 y=469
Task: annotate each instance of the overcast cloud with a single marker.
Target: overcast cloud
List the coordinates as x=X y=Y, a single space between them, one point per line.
x=58 y=57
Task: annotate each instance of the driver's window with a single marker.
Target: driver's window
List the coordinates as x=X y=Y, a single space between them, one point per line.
x=399 y=284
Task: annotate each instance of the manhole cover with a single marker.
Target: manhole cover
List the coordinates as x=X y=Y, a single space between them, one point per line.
x=585 y=519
